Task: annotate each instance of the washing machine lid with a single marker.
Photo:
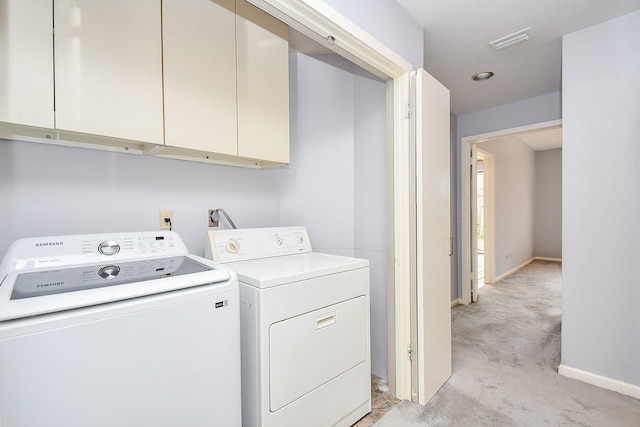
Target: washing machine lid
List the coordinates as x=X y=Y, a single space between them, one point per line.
x=36 y=292
x=56 y=273
x=276 y=271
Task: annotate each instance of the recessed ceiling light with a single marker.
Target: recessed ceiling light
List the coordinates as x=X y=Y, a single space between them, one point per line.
x=483 y=75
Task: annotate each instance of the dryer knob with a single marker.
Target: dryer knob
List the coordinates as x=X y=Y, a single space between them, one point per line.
x=233 y=246
x=109 y=247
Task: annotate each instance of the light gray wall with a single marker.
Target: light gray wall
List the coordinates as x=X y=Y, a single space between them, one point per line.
x=538 y=109
x=547 y=214
x=601 y=200
x=317 y=188
x=51 y=190
x=514 y=166
x=336 y=183
x=389 y=23
x=370 y=183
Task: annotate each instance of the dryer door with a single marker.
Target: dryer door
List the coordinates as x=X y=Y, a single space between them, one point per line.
x=310 y=350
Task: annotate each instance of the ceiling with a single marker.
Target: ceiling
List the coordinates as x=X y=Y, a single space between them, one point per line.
x=457 y=35
x=538 y=140
x=547 y=139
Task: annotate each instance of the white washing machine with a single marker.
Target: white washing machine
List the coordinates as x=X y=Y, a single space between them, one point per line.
x=121 y=329
x=304 y=328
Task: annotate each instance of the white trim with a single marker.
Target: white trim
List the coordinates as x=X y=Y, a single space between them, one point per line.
x=600 y=381
x=400 y=340
x=514 y=269
x=524 y=264
x=465 y=163
x=12 y=131
x=455 y=302
x=490 y=215
x=319 y=21
x=544 y=258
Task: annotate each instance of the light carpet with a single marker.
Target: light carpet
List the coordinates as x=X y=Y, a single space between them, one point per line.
x=506 y=350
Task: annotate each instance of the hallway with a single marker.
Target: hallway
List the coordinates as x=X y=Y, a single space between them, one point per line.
x=506 y=349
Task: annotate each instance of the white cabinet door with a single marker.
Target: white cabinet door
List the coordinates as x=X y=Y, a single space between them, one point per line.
x=200 y=75
x=263 y=85
x=108 y=68
x=433 y=293
x=26 y=58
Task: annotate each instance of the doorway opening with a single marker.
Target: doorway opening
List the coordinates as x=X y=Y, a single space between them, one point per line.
x=469 y=205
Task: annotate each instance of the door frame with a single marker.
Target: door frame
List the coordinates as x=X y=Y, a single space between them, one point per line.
x=326 y=26
x=466 y=204
x=489 y=214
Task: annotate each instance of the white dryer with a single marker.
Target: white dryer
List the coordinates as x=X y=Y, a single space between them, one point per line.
x=304 y=328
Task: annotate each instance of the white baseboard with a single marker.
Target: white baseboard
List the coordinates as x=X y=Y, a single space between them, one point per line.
x=600 y=381
x=455 y=302
x=513 y=270
x=544 y=258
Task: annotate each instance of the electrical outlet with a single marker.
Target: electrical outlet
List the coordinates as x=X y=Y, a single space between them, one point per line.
x=164 y=215
x=213 y=217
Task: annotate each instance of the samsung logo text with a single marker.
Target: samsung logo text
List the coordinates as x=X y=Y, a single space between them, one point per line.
x=39 y=244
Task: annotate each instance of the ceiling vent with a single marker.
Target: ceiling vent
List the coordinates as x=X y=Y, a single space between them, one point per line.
x=512 y=39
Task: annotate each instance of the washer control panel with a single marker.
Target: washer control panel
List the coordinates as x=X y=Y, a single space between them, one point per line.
x=256 y=243
x=60 y=251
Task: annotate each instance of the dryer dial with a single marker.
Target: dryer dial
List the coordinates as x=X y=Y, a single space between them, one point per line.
x=232 y=246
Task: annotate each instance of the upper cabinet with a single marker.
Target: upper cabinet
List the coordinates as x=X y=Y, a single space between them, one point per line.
x=263 y=84
x=26 y=62
x=204 y=80
x=228 y=92
x=108 y=68
x=199 y=55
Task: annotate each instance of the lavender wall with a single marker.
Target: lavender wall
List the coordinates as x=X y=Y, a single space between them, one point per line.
x=601 y=201
x=547 y=213
x=51 y=190
x=514 y=201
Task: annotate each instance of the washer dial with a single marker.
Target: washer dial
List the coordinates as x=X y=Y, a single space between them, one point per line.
x=109 y=247
x=109 y=272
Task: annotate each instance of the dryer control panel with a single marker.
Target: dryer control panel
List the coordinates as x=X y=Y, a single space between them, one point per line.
x=256 y=243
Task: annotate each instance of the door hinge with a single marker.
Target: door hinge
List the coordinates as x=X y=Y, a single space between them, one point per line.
x=408 y=115
x=410 y=352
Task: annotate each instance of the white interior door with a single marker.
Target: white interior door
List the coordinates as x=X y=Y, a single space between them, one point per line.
x=433 y=248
